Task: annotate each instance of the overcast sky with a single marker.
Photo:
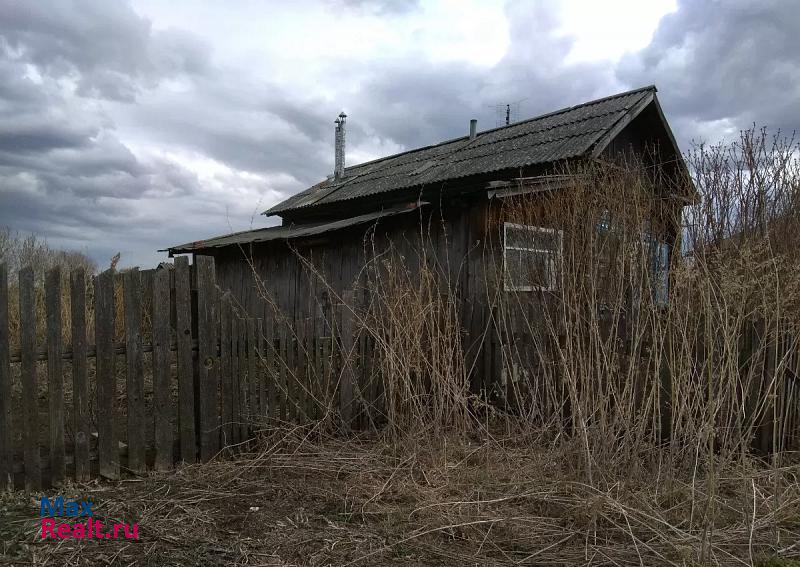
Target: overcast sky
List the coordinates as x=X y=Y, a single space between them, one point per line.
x=130 y=126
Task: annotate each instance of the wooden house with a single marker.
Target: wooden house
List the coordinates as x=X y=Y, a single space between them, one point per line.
x=438 y=206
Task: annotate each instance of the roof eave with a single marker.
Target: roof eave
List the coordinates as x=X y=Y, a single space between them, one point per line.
x=306 y=231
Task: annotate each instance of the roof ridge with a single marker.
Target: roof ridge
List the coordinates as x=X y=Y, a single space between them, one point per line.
x=473 y=144
x=532 y=119
x=445 y=155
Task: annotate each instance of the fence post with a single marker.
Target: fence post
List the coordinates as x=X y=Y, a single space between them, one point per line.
x=30 y=391
x=207 y=357
x=6 y=437
x=132 y=300
x=108 y=449
x=80 y=395
x=55 y=377
x=348 y=374
x=183 y=331
x=162 y=395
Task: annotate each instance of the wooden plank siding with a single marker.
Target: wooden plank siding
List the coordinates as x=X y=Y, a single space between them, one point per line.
x=162 y=391
x=55 y=376
x=207 y=360
x=132 y=300
x=6 y=423
x=30 y=389
x=290 y=284
x=183 y=332
x=80 y=388
x=106 y=375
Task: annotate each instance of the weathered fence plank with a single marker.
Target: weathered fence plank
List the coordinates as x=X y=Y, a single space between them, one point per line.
x=369 y=381
x=271 y=371
x=214 y=410
x=183 y=330
x=108 y=450
x=306 y=346
x=206 y=357
x=55 y=377
x=319 y=365
x=261 y=369
x=361 y=404
x=30 y=393
x=6 y=434
x=347 y=377
x=162 y=395
x=327 y=372
x=292 y=376
x=252 y=378
x=241 y=335
x=226 y=377
x=235 y=389
x=283 y=378
x=80 y=395
x=132 y=302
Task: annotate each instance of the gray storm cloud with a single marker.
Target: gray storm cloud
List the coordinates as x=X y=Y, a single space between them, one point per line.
x=116 y=135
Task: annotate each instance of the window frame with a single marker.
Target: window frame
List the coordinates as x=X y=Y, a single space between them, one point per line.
x=553 y=256
x=655 y=244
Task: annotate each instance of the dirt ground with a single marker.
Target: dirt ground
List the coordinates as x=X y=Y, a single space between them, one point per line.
x=295 y=500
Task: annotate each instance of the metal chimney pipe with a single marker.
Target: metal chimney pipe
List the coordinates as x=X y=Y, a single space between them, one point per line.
x=338 y=168
x=473 y=129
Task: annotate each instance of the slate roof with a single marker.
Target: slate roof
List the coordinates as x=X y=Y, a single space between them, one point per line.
x=568 y=133
x=288 y=232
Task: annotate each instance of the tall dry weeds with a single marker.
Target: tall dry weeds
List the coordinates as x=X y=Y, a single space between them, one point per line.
x=685 y=381
x=613 y=355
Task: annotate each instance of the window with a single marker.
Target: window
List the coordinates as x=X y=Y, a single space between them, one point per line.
x=531 y=256
x=604 y=222
x=659 y=255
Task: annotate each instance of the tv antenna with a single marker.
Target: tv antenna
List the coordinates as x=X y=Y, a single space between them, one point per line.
x=507 y=112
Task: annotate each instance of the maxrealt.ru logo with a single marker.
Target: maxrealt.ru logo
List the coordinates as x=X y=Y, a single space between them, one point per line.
x=88 y=529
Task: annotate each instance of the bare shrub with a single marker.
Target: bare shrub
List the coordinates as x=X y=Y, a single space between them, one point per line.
x=18 y=251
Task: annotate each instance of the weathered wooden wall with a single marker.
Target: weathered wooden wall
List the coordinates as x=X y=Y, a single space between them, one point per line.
x=302 y=280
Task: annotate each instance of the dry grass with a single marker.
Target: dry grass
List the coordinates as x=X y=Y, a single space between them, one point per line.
x=302 y=500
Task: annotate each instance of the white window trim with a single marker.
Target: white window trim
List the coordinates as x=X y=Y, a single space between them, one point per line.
x=555 y=256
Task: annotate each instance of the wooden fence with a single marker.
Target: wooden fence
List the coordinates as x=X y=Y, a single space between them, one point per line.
x=124 y=372
x=160 y=367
